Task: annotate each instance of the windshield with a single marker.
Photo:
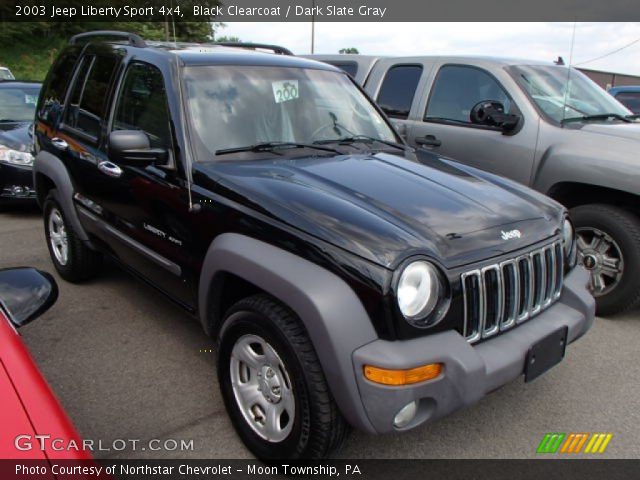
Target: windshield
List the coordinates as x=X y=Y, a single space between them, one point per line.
x=238 y=106
x=547 y=86
x=18 y=104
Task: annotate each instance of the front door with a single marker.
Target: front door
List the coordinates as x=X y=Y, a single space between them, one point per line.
x=446 y=128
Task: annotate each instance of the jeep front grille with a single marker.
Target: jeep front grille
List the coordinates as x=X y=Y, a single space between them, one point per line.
x=499 y=296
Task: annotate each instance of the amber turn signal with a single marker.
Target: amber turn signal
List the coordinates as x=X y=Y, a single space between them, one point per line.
x=386 y=376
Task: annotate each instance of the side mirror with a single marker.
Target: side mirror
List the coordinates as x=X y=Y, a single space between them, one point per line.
x=132 y=147
x=490 y=113
x=26 y=293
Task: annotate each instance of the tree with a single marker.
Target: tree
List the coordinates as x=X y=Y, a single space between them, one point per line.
x=348 y=50
x=232 y=39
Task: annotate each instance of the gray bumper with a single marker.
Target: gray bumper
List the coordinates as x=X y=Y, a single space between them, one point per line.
x=470 y=372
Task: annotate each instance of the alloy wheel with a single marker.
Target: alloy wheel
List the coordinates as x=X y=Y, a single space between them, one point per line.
x=58 y=237
x=601 y=255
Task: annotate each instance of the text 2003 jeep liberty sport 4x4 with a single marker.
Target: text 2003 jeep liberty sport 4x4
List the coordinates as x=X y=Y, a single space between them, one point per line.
x=349 y=279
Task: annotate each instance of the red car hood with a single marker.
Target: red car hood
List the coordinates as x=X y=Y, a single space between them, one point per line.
x=28 y=406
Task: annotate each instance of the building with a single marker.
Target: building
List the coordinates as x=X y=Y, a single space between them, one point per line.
x=609 y=79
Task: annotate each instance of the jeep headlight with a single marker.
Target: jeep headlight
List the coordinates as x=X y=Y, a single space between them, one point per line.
x=15 y=157
x=420 y=291
x=568 y=242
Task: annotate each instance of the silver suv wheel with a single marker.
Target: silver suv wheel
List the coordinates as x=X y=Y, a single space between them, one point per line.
x=58 y=237
x=262 y=388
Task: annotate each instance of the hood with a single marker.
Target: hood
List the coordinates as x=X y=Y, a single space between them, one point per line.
x=623 y=130
x=386 y=208
x=15 y=136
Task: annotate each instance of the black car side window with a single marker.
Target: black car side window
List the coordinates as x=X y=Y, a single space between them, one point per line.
x=457 y=89
x=142 y=105
x=89 y=95
x=398 y=89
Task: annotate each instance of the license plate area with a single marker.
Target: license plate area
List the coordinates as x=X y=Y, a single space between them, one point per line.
x=545 y=353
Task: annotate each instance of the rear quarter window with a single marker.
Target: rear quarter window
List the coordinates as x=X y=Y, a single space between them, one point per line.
x=55 y=86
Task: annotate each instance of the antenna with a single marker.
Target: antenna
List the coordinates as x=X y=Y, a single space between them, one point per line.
x=566 y=90
x=173 y=25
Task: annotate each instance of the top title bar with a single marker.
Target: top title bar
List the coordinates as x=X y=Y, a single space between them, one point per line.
x=318 y=10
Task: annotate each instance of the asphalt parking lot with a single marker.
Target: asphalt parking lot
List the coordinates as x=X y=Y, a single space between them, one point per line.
x=126 y=364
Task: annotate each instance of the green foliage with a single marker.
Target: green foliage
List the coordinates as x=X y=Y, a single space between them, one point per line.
x=28 y=48
x=232 y=38
x=348 y=50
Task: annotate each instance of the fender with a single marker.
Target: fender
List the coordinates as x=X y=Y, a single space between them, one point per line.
x=334 y=317
x=53 y=168
x=611 y=165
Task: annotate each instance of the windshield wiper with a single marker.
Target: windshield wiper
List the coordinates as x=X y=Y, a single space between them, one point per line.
x=599 y=116
x=360 y=138
x=272 y=146
x=633 y=116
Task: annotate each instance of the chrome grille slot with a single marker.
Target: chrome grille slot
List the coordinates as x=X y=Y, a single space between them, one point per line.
x=493 y=289
x=473 y=305
x=539 y=280
x=511 y=294
x=557 y=289
x=526 y=288
x=498 y=296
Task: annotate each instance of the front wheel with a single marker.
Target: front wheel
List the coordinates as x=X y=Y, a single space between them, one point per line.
x=273 y=385
x=609 y=248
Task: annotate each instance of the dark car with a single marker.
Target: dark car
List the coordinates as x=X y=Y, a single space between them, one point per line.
x=17 y=109
x=349 y=279
x=628 y=95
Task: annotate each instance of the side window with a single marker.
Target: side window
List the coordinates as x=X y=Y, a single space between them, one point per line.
x=398 y=89
x=350 y=67
x=52 y=96
x=89 y=95
x=458 y=88
x=142 y=105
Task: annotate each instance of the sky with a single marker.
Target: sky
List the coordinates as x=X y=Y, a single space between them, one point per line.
x=536 y=41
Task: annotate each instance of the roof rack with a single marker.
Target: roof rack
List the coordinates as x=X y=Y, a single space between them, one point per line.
x=135 y=40
x=255 y=46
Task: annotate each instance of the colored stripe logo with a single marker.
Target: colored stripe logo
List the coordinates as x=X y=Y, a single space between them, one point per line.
x=574 y=443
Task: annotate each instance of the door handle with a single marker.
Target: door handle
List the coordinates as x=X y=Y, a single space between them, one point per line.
x=59 y=143
x=110 y=169
x=428 y=141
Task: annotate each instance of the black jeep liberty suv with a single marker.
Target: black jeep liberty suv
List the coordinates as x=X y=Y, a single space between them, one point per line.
x=349 y=279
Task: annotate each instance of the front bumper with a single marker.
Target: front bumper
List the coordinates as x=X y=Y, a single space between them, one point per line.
x=16 y=183
x=470 y=371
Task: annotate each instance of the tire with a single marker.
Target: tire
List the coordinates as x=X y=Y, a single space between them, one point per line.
x=620 y=230
x=80 y=262
x=317 y=427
